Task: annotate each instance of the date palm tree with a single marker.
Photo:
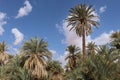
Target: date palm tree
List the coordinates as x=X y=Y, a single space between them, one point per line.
x=82 y=18
x=72 y=56
x=3 y=55
x=35 y=53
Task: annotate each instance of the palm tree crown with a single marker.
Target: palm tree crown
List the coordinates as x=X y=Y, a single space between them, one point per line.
x=115 y=39
x=72 y=56
x=91 y=47
x=35 y=53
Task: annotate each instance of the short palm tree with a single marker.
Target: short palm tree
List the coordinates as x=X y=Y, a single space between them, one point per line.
x=82 y=18
x=3 y=55
x=91 y=47
x=55 y=70
x=72 y=56
x=35 y=54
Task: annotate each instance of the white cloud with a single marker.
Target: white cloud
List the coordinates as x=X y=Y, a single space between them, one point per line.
x=102 y=9
x=24 y=11
x=104 y=38
x=59 y=28
x=16 y=51
x=2 y=22
x=18 y=36
x=54 y=53
x=13 y=50
x=61 y=58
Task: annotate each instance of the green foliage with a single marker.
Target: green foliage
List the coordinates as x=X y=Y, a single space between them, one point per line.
x=55 y=71
x=13 y=71
x=73 y=54
x=102 y=65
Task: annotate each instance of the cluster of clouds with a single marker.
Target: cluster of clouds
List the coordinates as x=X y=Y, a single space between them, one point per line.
x=23 y=11
x=72 y=39
x=19 y=36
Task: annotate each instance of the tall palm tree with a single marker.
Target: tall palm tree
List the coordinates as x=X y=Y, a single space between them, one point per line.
x=82 y=18
x=72 y=56
x=35 y=53
x=3 y=55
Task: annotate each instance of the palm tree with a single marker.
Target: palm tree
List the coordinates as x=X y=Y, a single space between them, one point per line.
x=3 y=55
x=91 y=47
x=72 y=56
x=82 y=18
x=35 y=54
x=115 y=39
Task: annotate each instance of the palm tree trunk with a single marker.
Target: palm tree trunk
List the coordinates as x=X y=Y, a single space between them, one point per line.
x=74 y=62
x=83 y=44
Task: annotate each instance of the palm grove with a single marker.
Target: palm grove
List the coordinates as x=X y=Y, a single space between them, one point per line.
x=92 y=62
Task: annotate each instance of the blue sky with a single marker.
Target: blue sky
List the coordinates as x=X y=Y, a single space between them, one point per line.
x=22 y=19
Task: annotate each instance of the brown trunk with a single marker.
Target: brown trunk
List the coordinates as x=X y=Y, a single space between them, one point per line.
x=83 y=43
x=74 y=62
